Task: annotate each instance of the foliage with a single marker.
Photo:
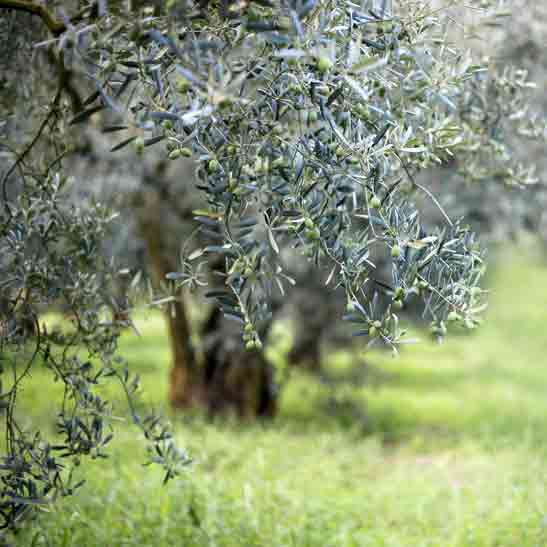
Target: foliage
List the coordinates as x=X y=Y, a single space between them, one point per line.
x=453 y=452
x=309 y=143
x=309 y=122
x=50 y=256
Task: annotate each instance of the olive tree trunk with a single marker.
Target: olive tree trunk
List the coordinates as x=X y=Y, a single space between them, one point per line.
x=220 y=376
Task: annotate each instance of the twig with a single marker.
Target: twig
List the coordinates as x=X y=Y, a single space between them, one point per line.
x=55 y=26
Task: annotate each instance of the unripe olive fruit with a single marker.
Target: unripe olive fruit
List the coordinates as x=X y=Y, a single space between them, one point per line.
x=395 y=251
x=249 y=327
x=248 y=272
x=350 y=306
x=324 y=64
x=375 y=202
x=373 y=331
x=183 y=85
x=398 y=304
x=313 y=234
x=309 y=223
x=250 y=345
x=139 y=145
x=475 y=291
x=213 y=166
x=284 y=22
x=312 y=117
x=186 y=152
x=174 y=154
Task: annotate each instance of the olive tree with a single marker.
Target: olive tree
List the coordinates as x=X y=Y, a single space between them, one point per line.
x=324 y=128
x=309 y=123
x=50 y=255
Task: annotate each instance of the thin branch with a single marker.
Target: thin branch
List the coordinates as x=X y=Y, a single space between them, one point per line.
x=55 y=26
x=423 y=188
x=29 y=147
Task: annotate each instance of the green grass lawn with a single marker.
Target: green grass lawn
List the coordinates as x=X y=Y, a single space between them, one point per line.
x=443 y=446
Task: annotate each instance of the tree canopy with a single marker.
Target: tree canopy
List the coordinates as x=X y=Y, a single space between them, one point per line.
x=309 y=123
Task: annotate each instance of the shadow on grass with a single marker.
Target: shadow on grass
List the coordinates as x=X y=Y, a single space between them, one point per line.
x=488 y=402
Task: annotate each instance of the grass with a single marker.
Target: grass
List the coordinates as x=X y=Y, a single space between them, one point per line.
x=450 y=451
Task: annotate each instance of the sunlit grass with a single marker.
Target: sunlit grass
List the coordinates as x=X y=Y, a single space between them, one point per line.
x=443 y=446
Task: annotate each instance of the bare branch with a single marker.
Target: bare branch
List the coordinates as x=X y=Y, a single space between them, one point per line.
x=55 y=26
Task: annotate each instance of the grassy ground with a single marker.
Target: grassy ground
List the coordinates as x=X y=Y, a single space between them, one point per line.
x=450 y=451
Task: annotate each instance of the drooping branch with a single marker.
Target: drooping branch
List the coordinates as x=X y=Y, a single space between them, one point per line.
x=55 y=26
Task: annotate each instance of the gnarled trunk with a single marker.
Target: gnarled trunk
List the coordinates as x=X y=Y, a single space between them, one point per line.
x=223 y=377
x=234 y=378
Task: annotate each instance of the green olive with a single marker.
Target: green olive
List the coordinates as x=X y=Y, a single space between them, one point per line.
x=313 y=234
x=213 y=166
x=324 y=64
x=475 y=291
x=375 y=202
x=183 y=85
x=139 y=145
x=395 y=251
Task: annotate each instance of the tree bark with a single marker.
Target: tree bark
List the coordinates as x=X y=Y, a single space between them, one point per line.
x=222 y=377
x=184 y=384
x=235 y=379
